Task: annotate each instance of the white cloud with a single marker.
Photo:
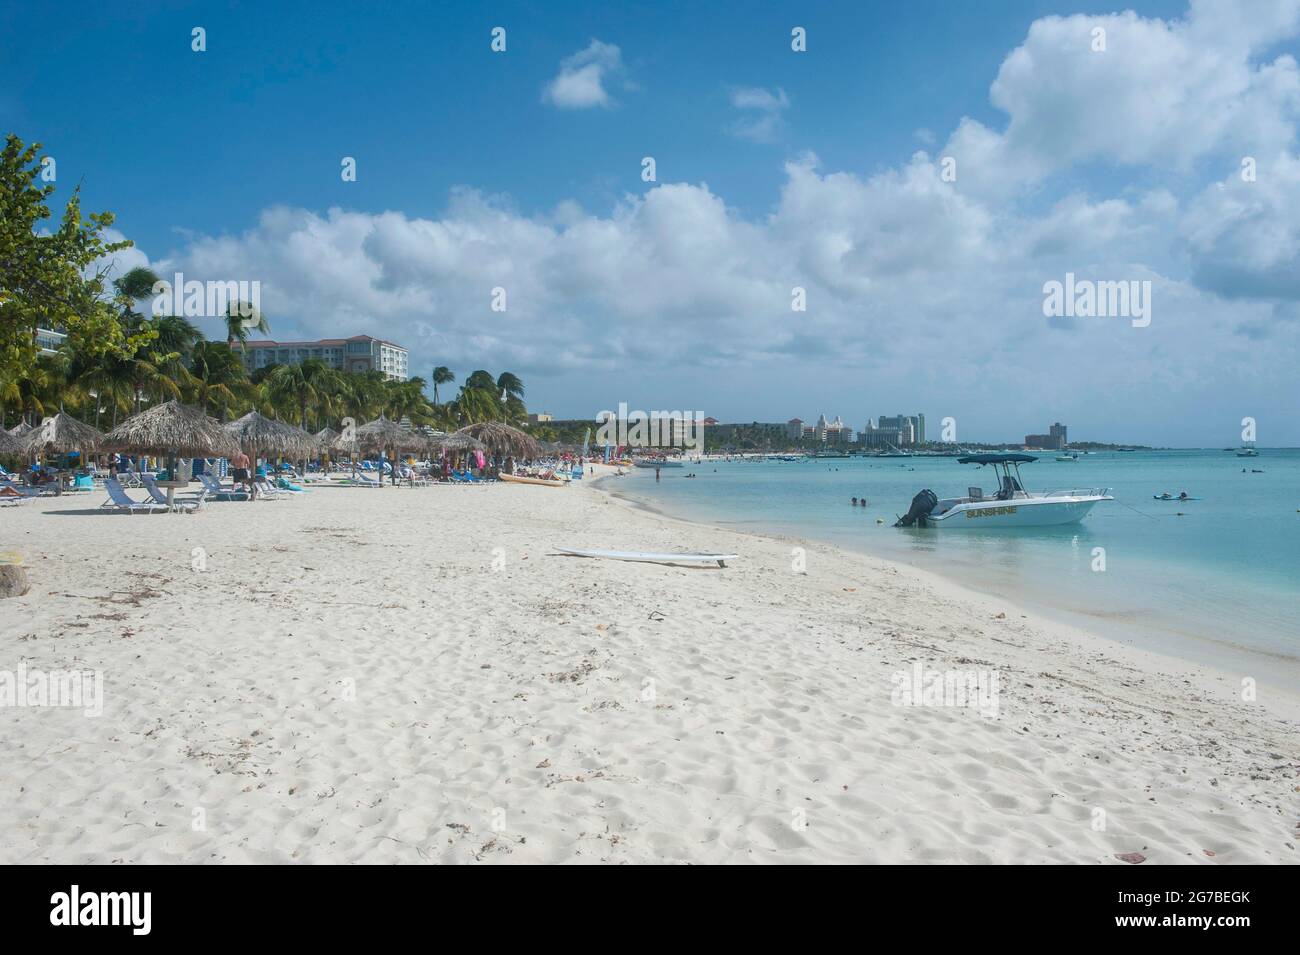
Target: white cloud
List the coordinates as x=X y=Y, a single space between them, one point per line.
x=1161 y=94
x=763 y=112
x=581 y=81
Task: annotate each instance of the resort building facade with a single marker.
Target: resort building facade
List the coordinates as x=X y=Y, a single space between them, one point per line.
x=49 y=340
x=827 y=432
x=898 y=430
x=356 y=354
x=1055 y=439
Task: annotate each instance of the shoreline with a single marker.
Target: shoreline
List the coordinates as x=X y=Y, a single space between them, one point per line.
x=1153 y=637
x=413 y=675
x=1288 y=697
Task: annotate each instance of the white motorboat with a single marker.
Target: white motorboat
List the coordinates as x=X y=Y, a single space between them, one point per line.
x=1246 y=451
x=1010 y=506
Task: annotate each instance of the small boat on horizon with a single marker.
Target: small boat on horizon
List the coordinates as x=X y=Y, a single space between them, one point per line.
x=1246 y=451
x=1010 y=506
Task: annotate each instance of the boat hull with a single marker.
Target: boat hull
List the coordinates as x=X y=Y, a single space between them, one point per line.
x=1019 y=513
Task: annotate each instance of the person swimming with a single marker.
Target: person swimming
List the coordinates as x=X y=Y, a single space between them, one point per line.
x=855 y=502
x=1182 y=495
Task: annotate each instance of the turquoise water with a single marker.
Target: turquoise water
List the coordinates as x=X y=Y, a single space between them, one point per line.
x=1223 y=577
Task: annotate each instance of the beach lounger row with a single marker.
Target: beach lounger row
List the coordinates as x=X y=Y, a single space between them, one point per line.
x=119 y=500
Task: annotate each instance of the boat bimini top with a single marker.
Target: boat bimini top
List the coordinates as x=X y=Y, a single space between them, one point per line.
x=1008 y=485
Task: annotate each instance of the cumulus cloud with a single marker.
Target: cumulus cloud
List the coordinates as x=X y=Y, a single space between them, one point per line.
x=763 y=111
x=580 y=84
x=1160 y=94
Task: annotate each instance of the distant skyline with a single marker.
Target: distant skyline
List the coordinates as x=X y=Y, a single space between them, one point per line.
x=921 y=172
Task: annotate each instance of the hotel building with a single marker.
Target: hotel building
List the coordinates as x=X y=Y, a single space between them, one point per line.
x=1055 y=439
x=356 y=354
x=827 y=432
x=899 y=430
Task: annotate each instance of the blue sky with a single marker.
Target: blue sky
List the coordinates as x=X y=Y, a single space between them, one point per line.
x=775 y=169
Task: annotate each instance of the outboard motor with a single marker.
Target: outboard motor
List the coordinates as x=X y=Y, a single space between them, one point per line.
x=924 y=502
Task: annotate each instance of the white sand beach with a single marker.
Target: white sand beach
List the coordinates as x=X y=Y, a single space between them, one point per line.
x=412 y=676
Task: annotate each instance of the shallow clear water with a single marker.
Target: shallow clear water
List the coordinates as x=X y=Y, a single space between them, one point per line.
x=1225 y=575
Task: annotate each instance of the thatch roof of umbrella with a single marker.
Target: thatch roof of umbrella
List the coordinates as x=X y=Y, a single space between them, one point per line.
x=456 y=442
x=263 y=435
x=325 y=439
x=503 y=439
x=20 y=429
x=61 y=434
x=11 y=445
x=172 y=428
x=379 y=435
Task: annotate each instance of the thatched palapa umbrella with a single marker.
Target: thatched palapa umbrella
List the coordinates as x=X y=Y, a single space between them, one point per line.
x=263 y=435
x=503 y=440
x=62 y=434
x=20 y=429
x=325 y=439
x=456 y=442
x=11 y=445
x=174 y=430
x=382 y=434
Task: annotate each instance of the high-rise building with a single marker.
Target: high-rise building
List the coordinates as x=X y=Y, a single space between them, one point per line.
x=356 y=354
x=898 y=430
x=1055 y=439
x=827 y=432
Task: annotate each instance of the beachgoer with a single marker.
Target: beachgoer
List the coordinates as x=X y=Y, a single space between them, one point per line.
x=239 y=472
x=855 y=502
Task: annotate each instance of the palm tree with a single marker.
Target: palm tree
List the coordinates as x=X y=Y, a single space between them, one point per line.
x=481 y=379
x=305 y=384
x=173 y=346
x=441 y=376
x=217 y=377
x=474 y=405
x=362 y=394
x=130 y=288
x=241 y=317
x=405 y=399
x=509 y=385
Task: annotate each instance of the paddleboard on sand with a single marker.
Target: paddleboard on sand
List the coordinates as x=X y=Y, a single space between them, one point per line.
x=520 y=479
x=719 y=559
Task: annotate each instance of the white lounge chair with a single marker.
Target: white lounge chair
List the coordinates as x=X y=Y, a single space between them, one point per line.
x=118 y=500
x=267 y=492
x=213 y=487
x=160 y=497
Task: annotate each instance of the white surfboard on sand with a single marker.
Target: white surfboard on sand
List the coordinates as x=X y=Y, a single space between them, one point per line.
x=719 y=559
